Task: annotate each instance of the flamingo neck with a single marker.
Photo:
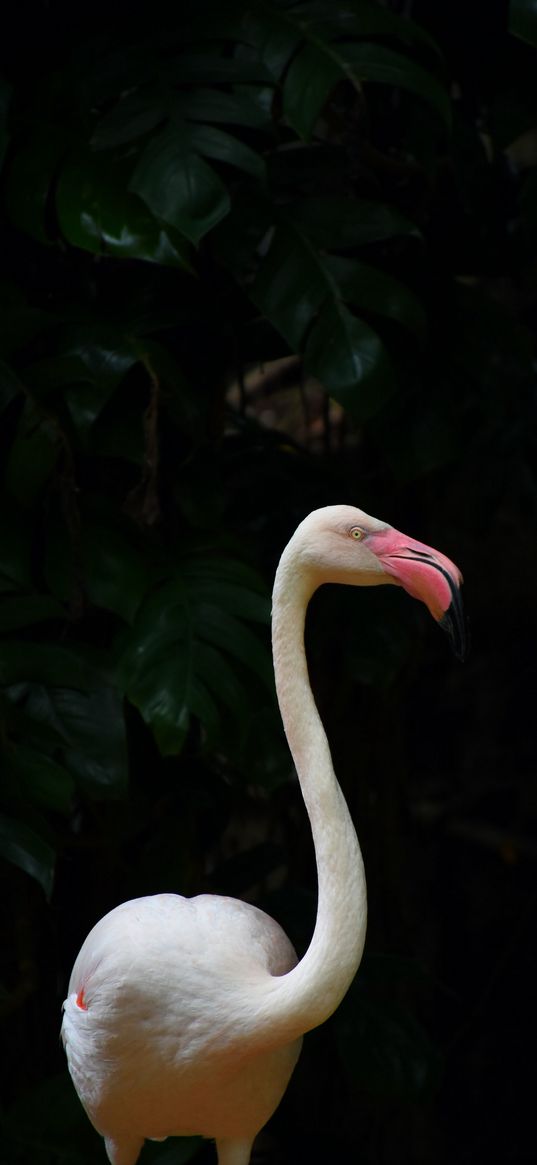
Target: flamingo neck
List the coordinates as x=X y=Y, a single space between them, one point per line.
x=308 y=994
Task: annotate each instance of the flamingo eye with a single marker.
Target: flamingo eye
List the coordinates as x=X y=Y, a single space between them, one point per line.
x=357 y=533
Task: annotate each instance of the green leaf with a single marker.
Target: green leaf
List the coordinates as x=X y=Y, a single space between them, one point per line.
x=180 y=397
x=97 y=211
x=274 y=40
x=223 y=147
x=95 y=730
x=361 y=18
x=347 y=356
x=374 y=291
x=169 y=694
x=178 y=186
x=214 y=105
x=40 y=779
x=179 y=660
x=523 y=20
x=116 y=573
x=233 y=636
x=91 y=363
x=236 y=598
x=298 y=295
x=334 y=222
x=324 y=60
x=135 y=115
x=290 y=285
x=373 y=62
x=309 y=81
x=23 y=847
x=87 y=720
x=100 y=563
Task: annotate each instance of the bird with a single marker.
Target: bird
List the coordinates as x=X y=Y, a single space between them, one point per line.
x=185 y=1016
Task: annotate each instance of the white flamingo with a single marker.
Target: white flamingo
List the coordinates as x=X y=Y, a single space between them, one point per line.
x=185 y=1015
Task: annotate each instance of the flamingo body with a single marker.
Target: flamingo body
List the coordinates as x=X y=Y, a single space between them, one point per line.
x=145 y=1059
x=185 y=1016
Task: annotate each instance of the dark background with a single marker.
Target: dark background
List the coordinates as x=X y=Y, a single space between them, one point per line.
x=239 y=282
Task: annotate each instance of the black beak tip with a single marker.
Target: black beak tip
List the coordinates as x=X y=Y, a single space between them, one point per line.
x=455 y=626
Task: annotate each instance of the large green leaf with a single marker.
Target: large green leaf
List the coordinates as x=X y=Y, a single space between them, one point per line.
x=189 y=647
x=68 y=692
x=272 y=36
x=135 y=115
x=215 y=105
x=308 y=83
x=212 y=142
x=97 y=211
x=277 y=33
x=89 y=365
x=349 y=359
x=178 y=186
x=96 y=750
x=374 y=291
x=360 y=18
x=22 y=846
x=325 y=59
x=38 y=778
x=105 y=562
x=297 y=293
x=88 y=721
x=290 y=285
x=373 y=62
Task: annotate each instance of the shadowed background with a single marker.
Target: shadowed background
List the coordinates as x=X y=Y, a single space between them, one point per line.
x=256 y=261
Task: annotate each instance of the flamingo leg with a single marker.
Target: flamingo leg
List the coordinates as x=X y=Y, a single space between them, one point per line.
x=123 y=1152
x=232 y=1152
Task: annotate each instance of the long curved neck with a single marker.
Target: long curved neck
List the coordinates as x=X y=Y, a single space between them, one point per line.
x=308 y=994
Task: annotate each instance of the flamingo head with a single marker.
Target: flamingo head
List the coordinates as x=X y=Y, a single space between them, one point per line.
x=343 y=544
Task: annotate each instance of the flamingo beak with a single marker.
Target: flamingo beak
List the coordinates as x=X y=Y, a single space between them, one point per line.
x=427 y=575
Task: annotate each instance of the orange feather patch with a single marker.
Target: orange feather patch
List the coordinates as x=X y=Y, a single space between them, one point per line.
x=81 y=1002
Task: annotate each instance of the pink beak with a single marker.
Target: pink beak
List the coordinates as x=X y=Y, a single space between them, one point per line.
x=427 y=575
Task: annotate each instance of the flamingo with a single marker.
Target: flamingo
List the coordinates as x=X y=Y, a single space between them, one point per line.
x=185 y=1015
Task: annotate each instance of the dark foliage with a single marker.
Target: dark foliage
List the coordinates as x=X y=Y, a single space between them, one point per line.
x=260 y=257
